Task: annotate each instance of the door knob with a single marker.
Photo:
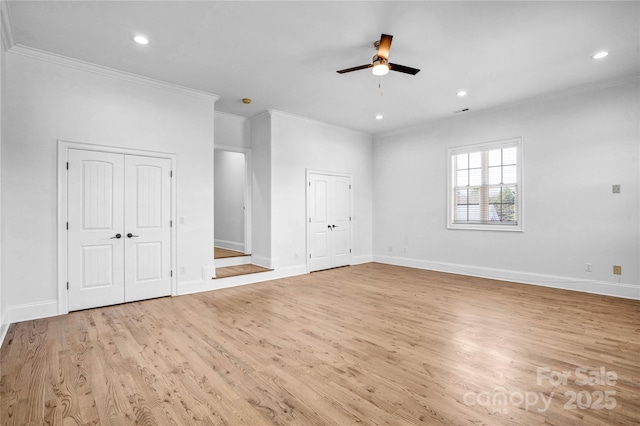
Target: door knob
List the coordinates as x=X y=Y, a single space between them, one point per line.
x=329 y=226
x=116 y=236
x=334 y=226
x=130 y=235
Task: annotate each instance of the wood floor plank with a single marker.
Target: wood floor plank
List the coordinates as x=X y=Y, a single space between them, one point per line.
x=369 y=345
x=234 y=271
x=221 y=253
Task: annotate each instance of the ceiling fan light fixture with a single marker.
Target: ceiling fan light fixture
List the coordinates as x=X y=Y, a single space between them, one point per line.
x=380 y=64
x=380 y=67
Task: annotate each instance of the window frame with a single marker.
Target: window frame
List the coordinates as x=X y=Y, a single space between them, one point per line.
x=486 y=146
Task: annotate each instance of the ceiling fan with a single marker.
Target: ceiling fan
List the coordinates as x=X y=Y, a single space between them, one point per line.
x=381 y=64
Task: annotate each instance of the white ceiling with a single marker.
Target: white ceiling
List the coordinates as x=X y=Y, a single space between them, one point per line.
x=284 y=55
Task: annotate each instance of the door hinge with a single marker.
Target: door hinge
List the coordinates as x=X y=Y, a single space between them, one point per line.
x=67 y=285
x=171 y=273
x=349 y=186
x=309 y=256
x=170 y=173
x=171 y=224
x=67 y=226
x=349 y=218
x=349 y=250
x=309 y=220
x=67 y=165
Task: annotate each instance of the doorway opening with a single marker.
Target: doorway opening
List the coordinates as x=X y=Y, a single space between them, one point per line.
x=232 y=203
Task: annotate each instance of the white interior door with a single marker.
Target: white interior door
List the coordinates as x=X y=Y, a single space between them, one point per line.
x=319 y=222
x=147 y=237
x=329 y=221
x=96 y=227
x=119 y=234
x=340 y=209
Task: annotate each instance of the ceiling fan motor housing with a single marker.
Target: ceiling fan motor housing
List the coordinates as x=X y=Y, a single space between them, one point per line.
x=379 y=60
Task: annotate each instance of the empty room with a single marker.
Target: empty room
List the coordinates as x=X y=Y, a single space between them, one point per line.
x=319 y=212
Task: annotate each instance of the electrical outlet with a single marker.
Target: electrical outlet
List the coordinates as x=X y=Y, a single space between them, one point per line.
x=587 y=267
x=617 y=270
x=615 y=189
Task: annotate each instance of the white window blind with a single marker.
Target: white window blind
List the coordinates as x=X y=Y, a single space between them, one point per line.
x=485 y=186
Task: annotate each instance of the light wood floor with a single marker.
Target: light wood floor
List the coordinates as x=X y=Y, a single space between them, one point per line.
x=368 y=345
x=234 y=271
x=221 y=253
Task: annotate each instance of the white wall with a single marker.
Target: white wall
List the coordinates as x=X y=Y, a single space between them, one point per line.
x=298 y=144
x=50 y=102
x=261 y=190
x=575 y=148
x=4 y=300
x=229 y=190
x=232 y=131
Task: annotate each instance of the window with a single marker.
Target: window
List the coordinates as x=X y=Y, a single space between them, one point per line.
x=485 y=186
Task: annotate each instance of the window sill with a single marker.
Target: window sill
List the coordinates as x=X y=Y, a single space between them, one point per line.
x=481 y=227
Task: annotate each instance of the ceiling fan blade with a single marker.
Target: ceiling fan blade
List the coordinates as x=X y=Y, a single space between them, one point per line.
x=361 y=67
x=385 y=46
x=402 y=68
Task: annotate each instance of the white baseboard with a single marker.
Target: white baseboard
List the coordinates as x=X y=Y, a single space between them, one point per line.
x=4 y=326
x=627 y=291
x=191 y=287
x=229 y=245
x=31 y=311
x=359 y=260
x=3 y=332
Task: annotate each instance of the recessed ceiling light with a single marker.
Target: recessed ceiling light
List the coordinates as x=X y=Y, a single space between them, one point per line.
x=461 y=93
x=600 y=55
x=140 y=39
x=379 y=117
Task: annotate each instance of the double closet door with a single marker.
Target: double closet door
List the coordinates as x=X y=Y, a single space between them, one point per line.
x=329 y=221
x=119 y=228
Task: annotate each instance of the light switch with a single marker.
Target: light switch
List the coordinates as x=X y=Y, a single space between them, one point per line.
x=615 y=189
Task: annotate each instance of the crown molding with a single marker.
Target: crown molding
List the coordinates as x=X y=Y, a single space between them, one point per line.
x=262 y=115
x=231 y=116
x=41 y=55
x=8 y=40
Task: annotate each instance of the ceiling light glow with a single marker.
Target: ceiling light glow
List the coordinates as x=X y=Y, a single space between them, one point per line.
x=380 y=69
x=380 y=66
x=461 y=93
x=140 y=39
x=600 y=55
x=379 y=117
